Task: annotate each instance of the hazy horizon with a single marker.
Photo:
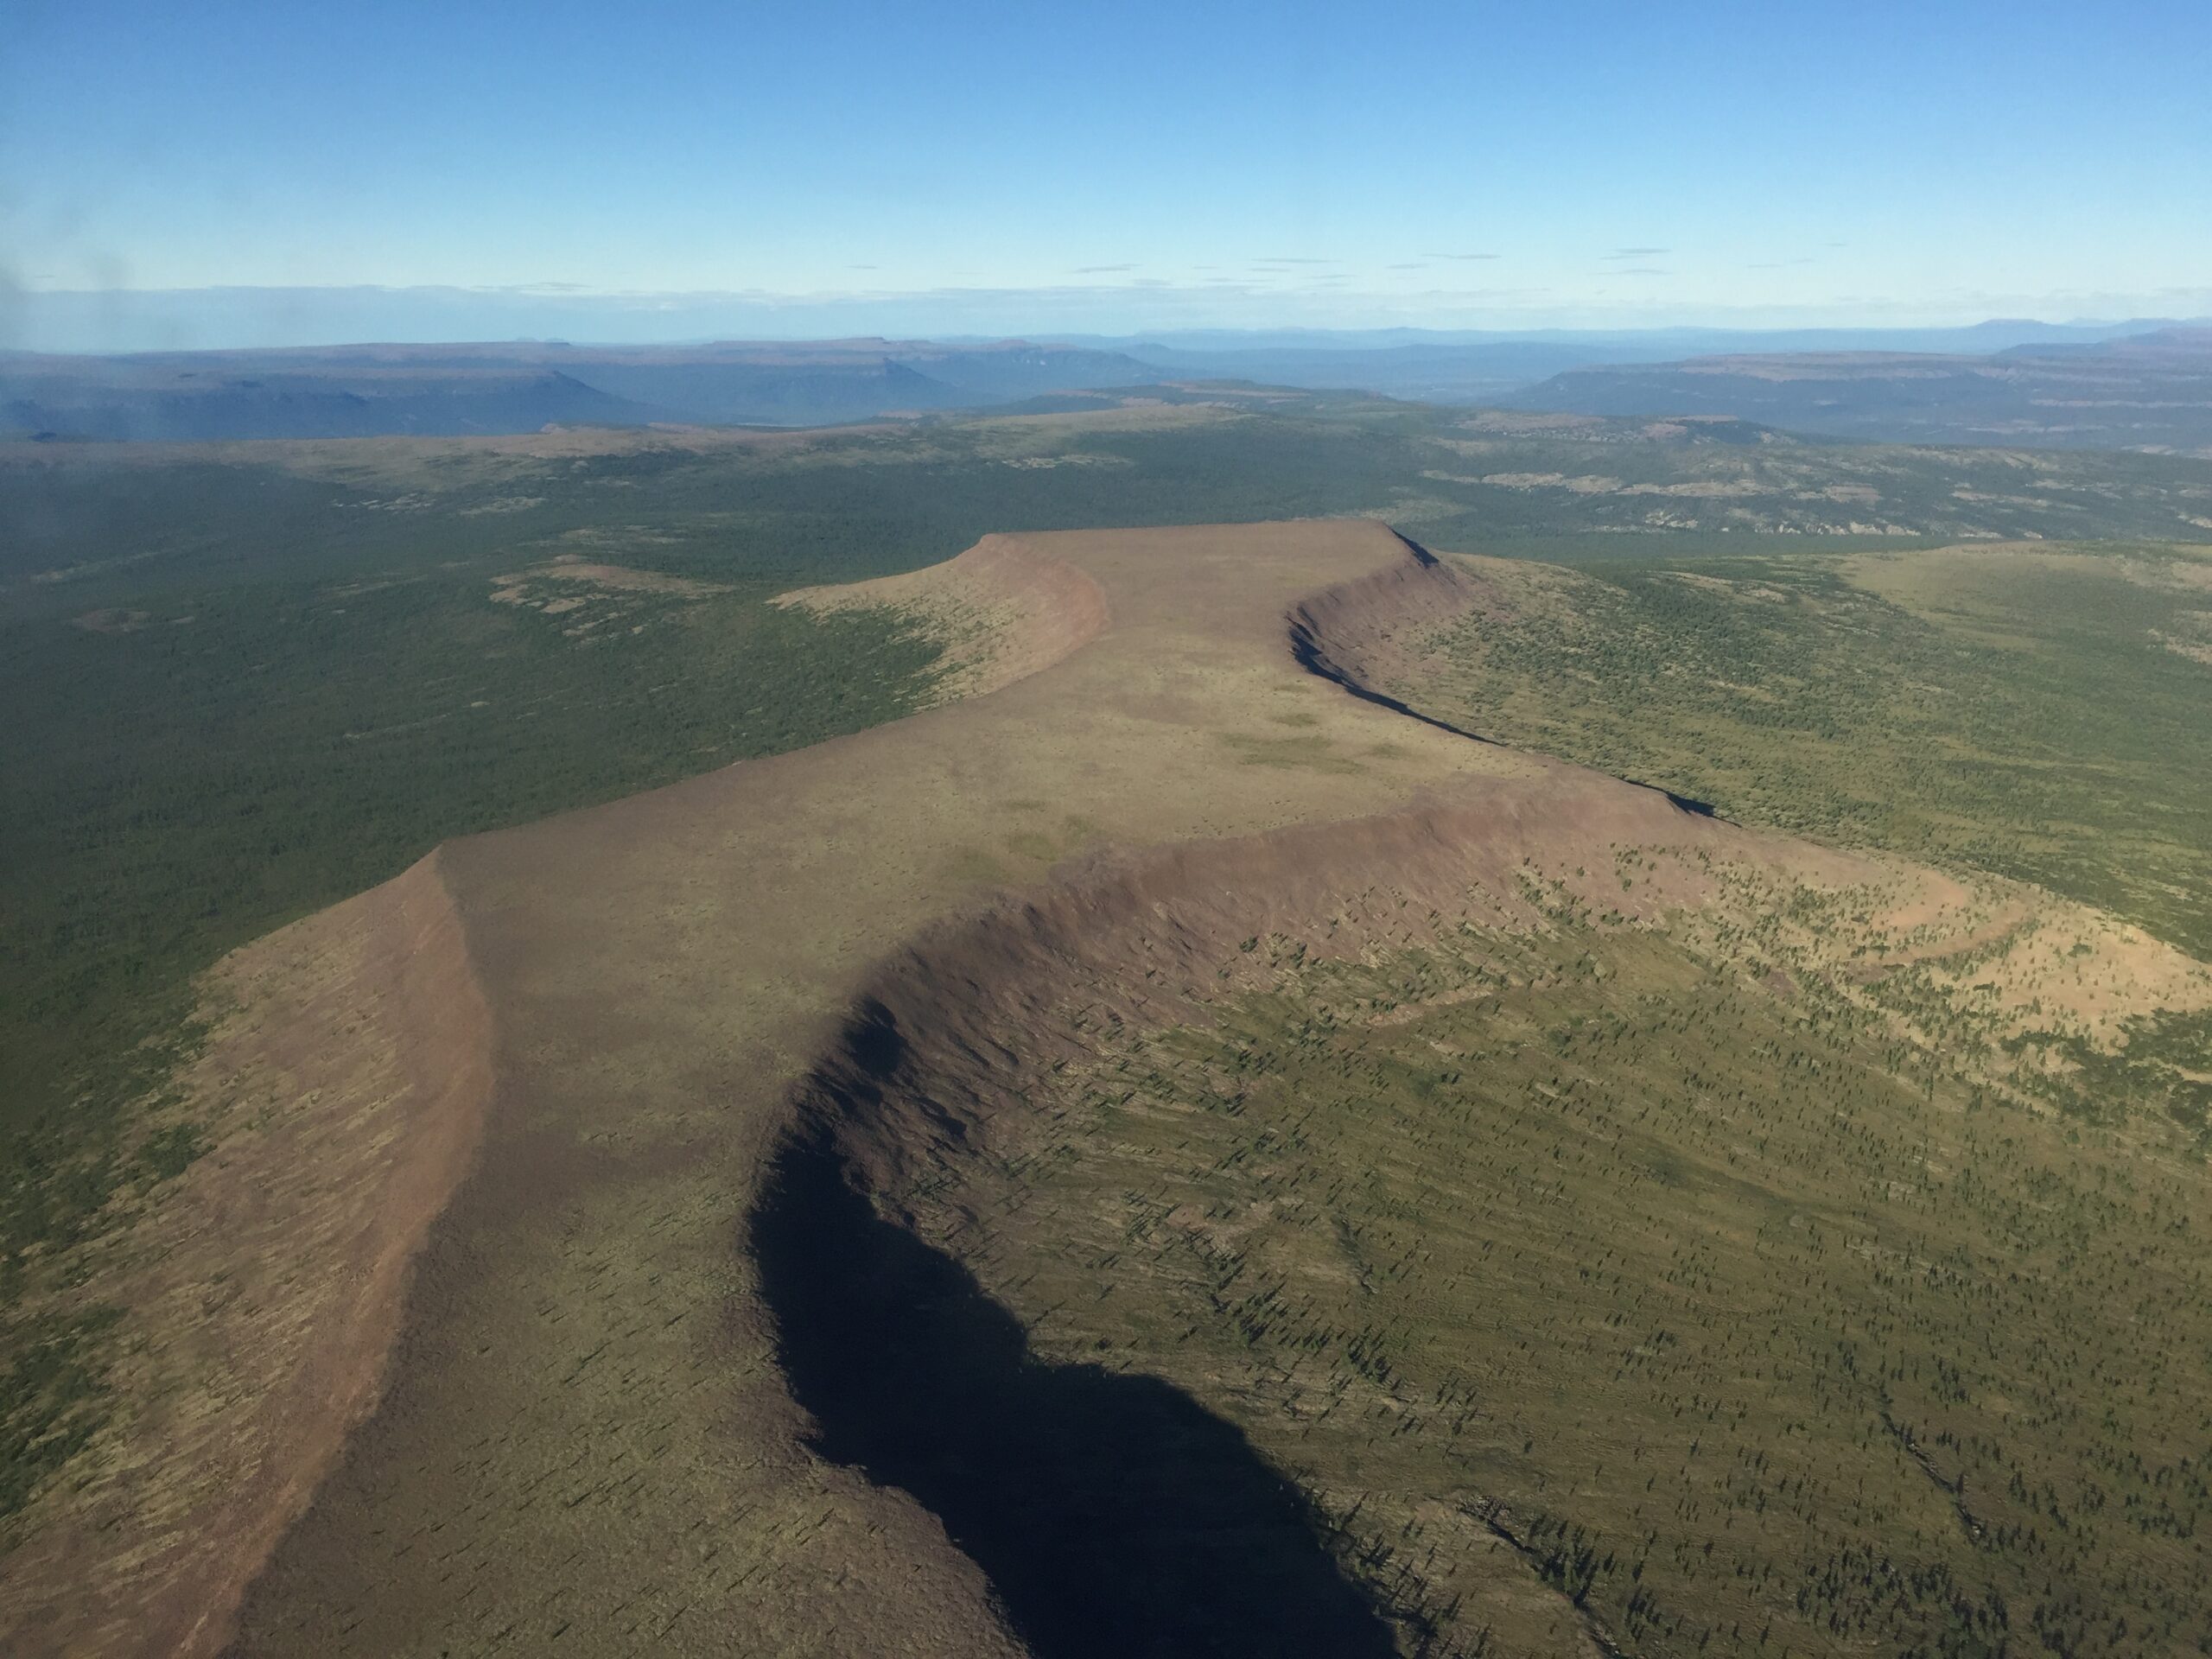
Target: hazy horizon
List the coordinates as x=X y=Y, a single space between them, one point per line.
x=866 y=170
x=254 y=318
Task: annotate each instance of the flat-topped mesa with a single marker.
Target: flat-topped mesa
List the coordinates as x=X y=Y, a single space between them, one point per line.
x=586 y=1409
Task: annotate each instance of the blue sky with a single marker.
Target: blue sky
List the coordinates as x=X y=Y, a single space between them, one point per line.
x=1024 y=167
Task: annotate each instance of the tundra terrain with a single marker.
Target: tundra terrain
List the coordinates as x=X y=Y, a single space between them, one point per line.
x=1164 y=1150
x=1191 y=1089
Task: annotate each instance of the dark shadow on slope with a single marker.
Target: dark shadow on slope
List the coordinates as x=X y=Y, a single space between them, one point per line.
x=1314 y=658
x=1311 y=658
x=1687 y=803
x=1114 y=1515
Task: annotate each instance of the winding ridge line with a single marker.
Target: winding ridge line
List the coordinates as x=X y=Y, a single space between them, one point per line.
x=582 y=1429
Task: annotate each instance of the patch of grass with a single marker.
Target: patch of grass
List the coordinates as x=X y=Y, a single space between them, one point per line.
x=1292 y=754
x=51 y=1393
x=2165 y=1066
x=169 y=1152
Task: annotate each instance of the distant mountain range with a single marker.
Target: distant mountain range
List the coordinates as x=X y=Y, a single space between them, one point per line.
x=453 y=391
x=1471 y=366
x=2143 y=392
x=2134 y=385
